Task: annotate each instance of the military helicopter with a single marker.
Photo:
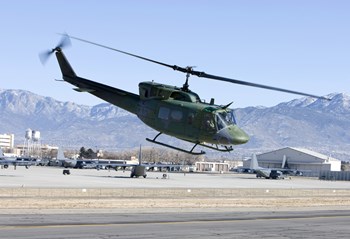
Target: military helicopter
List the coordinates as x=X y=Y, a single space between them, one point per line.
x=170 y=110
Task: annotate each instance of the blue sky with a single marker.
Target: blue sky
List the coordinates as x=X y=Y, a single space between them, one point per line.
x=299 y=45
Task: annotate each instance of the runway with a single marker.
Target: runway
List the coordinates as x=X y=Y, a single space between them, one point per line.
x=265 y=224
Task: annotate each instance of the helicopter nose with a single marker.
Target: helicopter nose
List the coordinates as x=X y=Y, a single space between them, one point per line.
x=241 y=137
x=232 y=135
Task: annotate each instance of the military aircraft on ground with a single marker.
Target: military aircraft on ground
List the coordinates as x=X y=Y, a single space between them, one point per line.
x=5 y=161
x=138 y=169
x=171 y=110
x=63 y=161
x=272 y=173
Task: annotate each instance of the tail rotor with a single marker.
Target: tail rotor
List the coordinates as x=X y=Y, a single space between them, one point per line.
x=64 y=42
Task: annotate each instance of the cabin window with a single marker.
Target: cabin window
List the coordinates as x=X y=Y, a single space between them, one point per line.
x=163 y=113
x=176 y=115
x=190 y=118
x=154 y=92
x=144 y=92
x=209 y=122
x=194 y=97
x=180 y=96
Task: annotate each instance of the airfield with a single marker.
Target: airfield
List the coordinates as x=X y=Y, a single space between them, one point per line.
x=115 y=189
x=41 y=202
x=52 y=177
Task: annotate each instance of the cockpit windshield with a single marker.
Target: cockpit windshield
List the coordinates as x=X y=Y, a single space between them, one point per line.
x=225 y=118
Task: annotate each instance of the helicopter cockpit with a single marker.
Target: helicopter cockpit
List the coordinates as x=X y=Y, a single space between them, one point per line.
x=224 y=118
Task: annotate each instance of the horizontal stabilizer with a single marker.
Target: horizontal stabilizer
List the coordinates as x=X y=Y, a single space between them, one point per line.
x=84 y=90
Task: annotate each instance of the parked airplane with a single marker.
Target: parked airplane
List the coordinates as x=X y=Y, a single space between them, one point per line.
x=63 y=161
x=273 y=173
x=264 y=172
x=251 y=169
x=137 y=169
x=5 y=161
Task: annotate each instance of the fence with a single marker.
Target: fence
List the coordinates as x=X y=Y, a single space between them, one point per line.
x=336 y=176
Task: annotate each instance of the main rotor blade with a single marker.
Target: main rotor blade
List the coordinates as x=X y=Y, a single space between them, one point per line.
x=214 y=77
x=201 y=74
x=127 y=53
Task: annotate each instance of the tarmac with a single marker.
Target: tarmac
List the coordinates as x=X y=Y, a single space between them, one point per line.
x=46 y=188
x=52 y=177
x=229 y=224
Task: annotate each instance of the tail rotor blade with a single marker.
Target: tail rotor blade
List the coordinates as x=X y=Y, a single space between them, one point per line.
x=63 y=43
x=44 y=56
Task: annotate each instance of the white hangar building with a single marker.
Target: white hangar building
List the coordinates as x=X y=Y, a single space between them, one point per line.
x=299 y=159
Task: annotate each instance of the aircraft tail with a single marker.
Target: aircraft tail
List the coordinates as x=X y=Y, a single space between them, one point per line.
x=60 y=154
x=285 y=162
x=140 y=156
x=254 y=162
x=123 y=99
x=67 y=70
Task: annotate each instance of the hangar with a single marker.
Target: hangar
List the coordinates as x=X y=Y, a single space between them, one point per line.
x=307 y=161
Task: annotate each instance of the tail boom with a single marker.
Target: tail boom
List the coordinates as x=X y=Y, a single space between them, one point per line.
x=123 y=99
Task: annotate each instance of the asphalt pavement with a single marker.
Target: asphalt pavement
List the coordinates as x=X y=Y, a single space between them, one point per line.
x=266 y=224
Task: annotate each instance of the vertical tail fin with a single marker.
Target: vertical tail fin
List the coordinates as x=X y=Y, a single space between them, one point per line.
x=60 y=154
x=254 y=162
x=140 y=156
x=284 y=161
x=67 y=70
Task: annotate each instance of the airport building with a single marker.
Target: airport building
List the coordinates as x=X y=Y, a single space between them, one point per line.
x=212 y=167
x=7 y=141
x=42 y=150
x=307 y=161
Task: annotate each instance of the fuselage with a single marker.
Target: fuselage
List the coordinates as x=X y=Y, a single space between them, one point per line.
x=182 y=114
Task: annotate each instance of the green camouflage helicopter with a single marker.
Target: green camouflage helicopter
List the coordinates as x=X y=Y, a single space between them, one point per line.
x=174 y=111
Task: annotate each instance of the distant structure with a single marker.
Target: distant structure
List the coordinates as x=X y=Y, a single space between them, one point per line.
x=32 y=144
x=309 y=162
x=27 y=139
x=212 y=167
x=7 y=141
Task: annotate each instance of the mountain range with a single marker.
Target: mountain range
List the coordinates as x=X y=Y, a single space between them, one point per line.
x=319 y=125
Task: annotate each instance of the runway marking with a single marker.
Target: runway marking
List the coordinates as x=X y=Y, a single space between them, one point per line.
x=14 y=227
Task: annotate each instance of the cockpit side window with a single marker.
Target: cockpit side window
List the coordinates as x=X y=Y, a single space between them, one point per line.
x=224 y=119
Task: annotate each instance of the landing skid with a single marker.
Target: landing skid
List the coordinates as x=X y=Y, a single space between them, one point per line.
x=224 y=149
x=176 y=148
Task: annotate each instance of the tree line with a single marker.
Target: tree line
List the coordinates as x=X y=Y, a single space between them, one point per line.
x=149 y=154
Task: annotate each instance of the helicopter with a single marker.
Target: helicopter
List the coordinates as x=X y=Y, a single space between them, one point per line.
x=170 y=110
